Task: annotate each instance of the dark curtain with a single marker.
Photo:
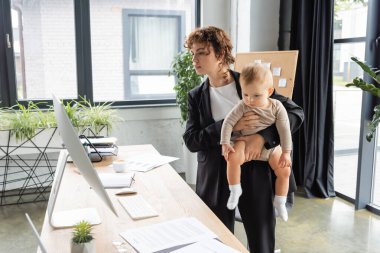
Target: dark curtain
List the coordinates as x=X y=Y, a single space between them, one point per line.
x=312 y=35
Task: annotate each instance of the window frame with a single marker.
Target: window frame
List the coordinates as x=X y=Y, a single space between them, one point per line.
x=367 y=150
x=127 y=13
x=341 y=41
x=8 y=89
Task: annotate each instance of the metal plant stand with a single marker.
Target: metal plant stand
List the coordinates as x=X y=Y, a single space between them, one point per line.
x=27 y=168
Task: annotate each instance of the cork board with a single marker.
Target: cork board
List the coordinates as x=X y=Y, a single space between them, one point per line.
x=283 y=65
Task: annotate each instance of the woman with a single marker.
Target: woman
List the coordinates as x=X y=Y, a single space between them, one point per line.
x=208 y=104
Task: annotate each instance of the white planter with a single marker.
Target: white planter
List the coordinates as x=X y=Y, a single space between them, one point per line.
x=83 y=247
x=190 y=164
x=46 y=139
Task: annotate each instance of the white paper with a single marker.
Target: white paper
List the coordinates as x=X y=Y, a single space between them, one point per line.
x=276 y=71
x=266 y=65
x=282 y=83
x=102 y=150
x=147 y=162
x=116 y=180
x=104 y=140
x=206 y=246
x=257 y=61
x=166 y=235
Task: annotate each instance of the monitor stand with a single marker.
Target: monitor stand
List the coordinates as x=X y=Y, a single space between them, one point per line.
x=67 y=218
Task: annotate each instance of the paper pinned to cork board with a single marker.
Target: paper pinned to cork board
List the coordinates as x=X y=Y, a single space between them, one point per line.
x=284 y=62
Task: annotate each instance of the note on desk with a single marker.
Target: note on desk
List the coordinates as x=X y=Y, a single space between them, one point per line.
x=116 y=180
x=167 y=235
x=147 y=162
x=206 y=246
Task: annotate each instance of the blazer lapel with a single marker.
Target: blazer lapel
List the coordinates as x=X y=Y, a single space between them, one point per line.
x=207 y=103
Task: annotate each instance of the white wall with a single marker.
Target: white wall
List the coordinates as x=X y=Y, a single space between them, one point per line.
x=216 y=13
x=159 y=126
x=252 y=25
x=264 y=25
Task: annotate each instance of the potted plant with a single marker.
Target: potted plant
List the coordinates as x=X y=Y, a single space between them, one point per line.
x=96 y=117
x=29 y=143
x=82 y=241
x=361 y=84
x=23 y=121
x=186 y=79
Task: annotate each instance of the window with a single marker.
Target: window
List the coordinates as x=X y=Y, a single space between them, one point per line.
x=44 y=48
x=133 y=45
x=103 y=50
x=152 y=41
x=350 y=22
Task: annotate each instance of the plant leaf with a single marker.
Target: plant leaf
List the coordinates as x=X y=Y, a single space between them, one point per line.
x=361 y=84
x=370 y=71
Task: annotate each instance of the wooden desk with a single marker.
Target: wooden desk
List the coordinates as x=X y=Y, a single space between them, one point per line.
x=162 y=187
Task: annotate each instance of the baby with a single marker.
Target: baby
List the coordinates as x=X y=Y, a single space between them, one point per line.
x=257 y=87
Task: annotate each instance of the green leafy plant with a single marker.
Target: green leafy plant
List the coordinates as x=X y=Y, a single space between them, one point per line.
x=96 y=117
x=72 y=110
x=186 y=79
x=82 y=232
x=371 y=88
x=23 y=121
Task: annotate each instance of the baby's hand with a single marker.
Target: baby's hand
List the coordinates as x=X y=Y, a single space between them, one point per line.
x=226 y=149
x=285 y=160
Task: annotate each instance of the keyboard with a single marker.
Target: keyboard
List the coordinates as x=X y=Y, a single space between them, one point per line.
x=137 y=207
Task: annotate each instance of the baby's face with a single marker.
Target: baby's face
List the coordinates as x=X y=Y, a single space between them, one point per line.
x=256 y=94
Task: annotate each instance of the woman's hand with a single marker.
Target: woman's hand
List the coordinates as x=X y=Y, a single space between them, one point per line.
x=253 y=146
x=248 y=122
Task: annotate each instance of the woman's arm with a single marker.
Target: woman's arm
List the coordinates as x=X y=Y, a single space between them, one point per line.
x=295 y=114
x=196 y=136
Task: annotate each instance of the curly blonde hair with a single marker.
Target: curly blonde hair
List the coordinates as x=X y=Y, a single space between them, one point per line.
x=215 y=37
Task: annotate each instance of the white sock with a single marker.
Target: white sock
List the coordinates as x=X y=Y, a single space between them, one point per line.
x=280 y=207
x=235 y=193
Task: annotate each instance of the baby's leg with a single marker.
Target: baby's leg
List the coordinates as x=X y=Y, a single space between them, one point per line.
x=282 y=183
x=234 y=161
x=233 y=173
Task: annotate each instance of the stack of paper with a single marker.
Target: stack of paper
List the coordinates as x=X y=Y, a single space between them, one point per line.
x=147 y=162
x=100 y=141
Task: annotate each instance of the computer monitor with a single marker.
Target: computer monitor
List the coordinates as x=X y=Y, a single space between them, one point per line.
x=80 y=158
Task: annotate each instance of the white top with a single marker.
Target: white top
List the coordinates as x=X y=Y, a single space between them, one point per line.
x=223 y=99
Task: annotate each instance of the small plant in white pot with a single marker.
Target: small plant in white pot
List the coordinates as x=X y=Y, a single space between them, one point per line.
x=83 y=241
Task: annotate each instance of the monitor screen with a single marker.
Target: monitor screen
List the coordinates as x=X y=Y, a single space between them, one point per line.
x=78 y=154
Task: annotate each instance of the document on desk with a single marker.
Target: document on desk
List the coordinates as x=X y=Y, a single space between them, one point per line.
x=165 y=235
x=206 y=246
x=147 y=162
x=116 y=180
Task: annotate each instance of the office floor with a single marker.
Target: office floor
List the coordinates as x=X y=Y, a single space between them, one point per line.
x=314 y=225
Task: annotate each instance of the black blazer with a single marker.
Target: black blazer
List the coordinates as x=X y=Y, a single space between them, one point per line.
x=202 y=135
